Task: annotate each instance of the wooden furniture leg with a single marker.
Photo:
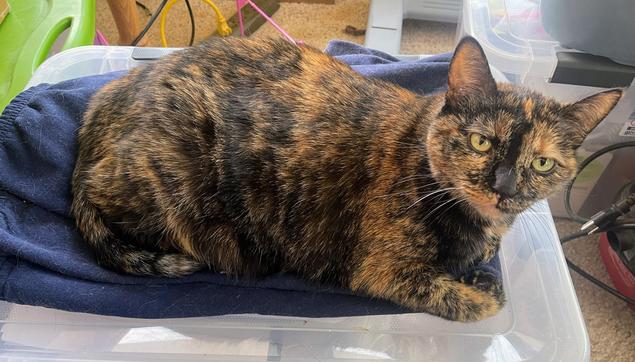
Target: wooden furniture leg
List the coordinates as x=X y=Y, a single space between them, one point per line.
x=127 y=20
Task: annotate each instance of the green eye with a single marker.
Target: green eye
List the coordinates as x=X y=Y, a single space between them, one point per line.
x=480 y=143
x=543 y=164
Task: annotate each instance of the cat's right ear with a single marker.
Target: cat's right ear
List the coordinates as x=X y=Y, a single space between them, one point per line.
x=469 y=75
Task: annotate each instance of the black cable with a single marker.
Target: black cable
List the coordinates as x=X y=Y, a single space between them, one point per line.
x=598 y=283
x=590 y=277
x=144 y=7
x=573 y=236
x=609 y=225
x=193 y=31
x=153 y=18
x=584 y=164
x=581 y=233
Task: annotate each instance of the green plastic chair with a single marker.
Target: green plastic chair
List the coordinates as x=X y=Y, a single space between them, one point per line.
x=29 y=31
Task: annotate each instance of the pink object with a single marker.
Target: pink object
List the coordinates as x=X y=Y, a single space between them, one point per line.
x=239 y=6
x=100 y=39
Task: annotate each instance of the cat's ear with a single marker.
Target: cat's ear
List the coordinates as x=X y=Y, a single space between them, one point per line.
x=589 y=112
x=469 y=74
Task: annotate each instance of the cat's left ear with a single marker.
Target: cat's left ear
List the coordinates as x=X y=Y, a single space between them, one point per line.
x=589 y=112
x=469 y=75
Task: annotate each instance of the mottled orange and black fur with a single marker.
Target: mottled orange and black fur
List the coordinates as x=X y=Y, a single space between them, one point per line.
x=252 y=157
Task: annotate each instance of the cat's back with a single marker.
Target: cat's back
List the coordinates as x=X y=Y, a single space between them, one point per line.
x=224 y=79
x=225 y=67
x=233 y=91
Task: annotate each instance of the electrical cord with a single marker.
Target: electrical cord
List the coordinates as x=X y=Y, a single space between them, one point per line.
x=598 y=283
x=222 y=28
x=588 y=276
x=570 y=237
x=608 y=216
x=582 y=166
x=153 y=18
x=581 y=233
x=144 y=8
x=603 y=221
x=192 y=23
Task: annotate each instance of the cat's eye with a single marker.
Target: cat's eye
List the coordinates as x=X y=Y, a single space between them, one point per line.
x=480 y=143
x=543 y=164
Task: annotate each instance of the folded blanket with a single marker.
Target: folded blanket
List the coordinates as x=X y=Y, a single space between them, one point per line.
x=44 y=262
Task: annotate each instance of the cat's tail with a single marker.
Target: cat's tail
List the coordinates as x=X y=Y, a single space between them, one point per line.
x=115 y=254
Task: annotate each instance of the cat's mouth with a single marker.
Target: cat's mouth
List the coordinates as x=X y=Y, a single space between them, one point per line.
x=487 y=205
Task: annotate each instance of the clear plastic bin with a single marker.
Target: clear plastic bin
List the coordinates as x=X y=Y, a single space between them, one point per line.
x=540 y=322
x=513 y=38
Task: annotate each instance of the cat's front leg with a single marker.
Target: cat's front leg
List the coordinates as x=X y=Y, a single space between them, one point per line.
x=493 y=236
x=423 y=289
x=490 y=249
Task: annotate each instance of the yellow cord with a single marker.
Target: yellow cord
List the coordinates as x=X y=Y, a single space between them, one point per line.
x=221 y=28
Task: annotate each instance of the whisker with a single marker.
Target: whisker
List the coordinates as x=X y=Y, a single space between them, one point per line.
x=409 y=191
x=458 y=201
x=435 y=209
x=412 y=178
x=412 y=190
x=395 y=194
x=430 y=194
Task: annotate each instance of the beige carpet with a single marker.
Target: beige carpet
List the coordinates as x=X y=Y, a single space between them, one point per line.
x=314 y=24
x=610 y=323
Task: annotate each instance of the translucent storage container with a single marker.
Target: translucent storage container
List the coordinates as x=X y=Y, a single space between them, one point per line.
x=515 y=42
x=540 y=322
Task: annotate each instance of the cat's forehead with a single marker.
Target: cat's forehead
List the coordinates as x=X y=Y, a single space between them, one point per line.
x=513 y=108
x=543 y=139
x=526 y=103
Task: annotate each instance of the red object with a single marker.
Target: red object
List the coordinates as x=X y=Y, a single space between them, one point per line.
x=622 y=278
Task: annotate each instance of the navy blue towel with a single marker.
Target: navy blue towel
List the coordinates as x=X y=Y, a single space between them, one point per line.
x=44 y=262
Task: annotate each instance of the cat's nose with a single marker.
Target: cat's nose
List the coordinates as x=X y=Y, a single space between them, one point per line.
x=505 y=181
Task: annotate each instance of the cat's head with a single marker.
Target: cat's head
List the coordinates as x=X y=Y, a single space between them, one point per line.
x=502 y=147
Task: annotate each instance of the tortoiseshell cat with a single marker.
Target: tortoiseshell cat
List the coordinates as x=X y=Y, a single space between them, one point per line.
x=257 y=156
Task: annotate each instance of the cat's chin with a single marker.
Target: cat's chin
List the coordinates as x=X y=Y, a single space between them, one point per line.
x=489 y=211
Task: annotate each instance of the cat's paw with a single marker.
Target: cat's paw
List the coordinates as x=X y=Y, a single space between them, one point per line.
x=471 y=303
x=476 y=296
x=487 y=282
